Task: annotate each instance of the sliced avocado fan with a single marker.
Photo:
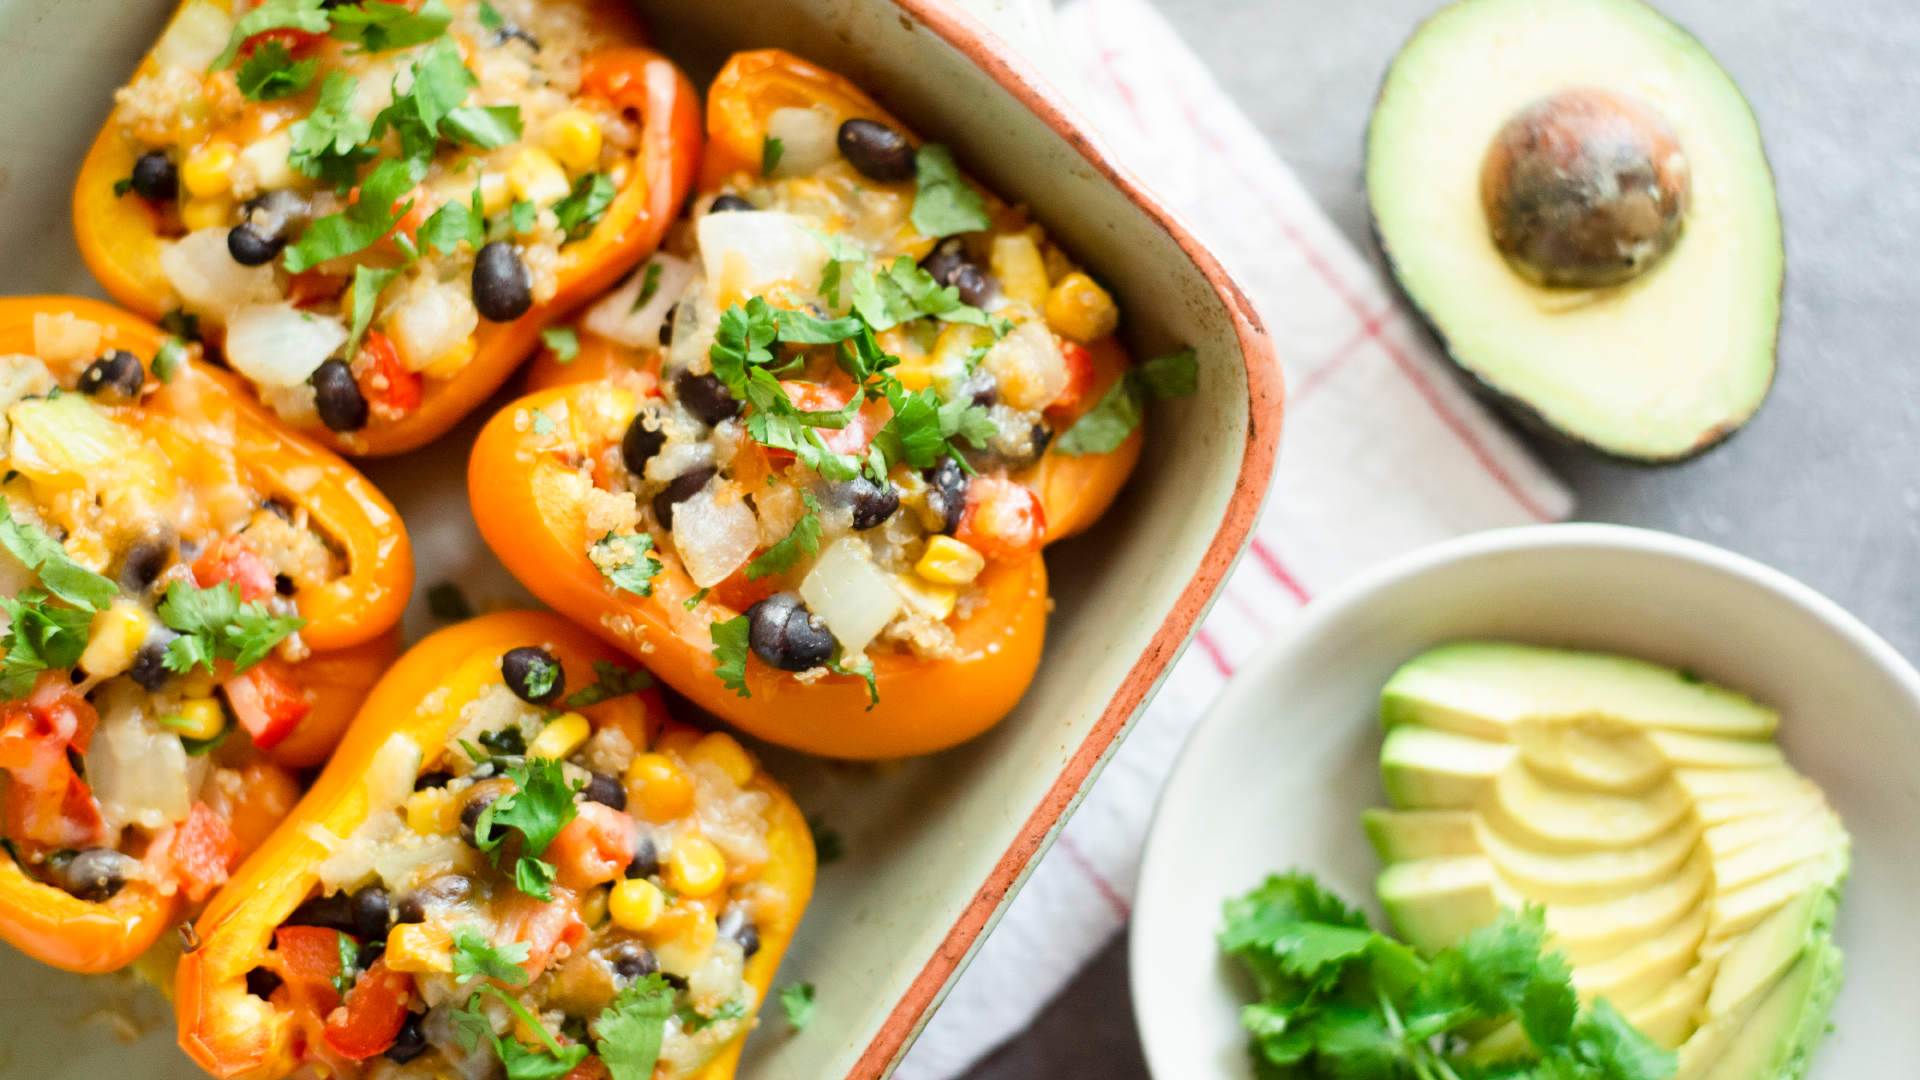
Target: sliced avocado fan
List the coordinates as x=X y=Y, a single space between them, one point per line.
x=1574 y=196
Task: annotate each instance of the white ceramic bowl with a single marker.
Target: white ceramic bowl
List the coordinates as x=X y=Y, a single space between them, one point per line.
x=1277 y=774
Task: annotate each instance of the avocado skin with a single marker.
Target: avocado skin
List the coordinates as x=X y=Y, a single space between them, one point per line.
x=1523 y=413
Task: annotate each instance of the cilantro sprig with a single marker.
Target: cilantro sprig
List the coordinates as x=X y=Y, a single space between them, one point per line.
x=1339 y=1000
x=365 y=221
x=614 y=681
x=630 y=1029
x=730 y=653
x=62 y=575
x=624 y=562
x=476 y=957
x=43 y=635
x=802 y=541
x=541 y=806
x=1105 y=426
x=944 y=204
x=797 y=1002
x=272 y=73
x=548 y=1061
x=213 y=624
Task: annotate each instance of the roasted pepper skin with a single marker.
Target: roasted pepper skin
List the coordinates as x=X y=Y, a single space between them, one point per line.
x=352 y=625
x=232 y=1034
x=118 y=242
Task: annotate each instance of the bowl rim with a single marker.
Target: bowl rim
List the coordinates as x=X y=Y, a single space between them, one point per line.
x=1332 y=606
x=1018 y=76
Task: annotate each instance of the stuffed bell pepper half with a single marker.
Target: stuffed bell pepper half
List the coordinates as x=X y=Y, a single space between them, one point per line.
x=515 y=857
x=197 y=601
x=374 y=209
x=803 y=461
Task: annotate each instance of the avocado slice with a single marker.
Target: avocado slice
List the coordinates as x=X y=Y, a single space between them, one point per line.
x=1654 y=364
x=1554 y=819
x=1424 y=769
x=1481 y=689
x=1435 y=902
x=1777 y=1042
x=1407 y=835
x=1642 y=973
x=1588 y=877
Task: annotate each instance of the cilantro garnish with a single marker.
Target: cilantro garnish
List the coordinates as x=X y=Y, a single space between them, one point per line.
x=539 y=809
x=902 y=292
x=382 y=27
x=168 y=360
x=1340 y=1000
x=181 y=325
x=563 y=341
x=455 y=222
x=730 y=653
x=803 y=540
x=521 y=215
x=771 y=150
x=475 y=956
x=542 y=423
x=40 y=637
x=630 y=1029
x=549 y=1061
x=213 y=625
x=861 y=667
x=507 y=741
x=797 y=1001
x=586 y=205
x=486 y=126
x=349 y=959
x=1105 y=426
x=624 y=562
x=304 y=15
x=272 y=73
x=648 y=287
x=59 y=572
x=355 y=229
x=122 y=186
x=490 y=18
x=693 y=601
x=944 y=205
x=326 y=144
x=615 y=681
x=367 y=283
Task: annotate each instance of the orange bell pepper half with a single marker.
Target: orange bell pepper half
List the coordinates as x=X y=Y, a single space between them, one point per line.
x=120 y=235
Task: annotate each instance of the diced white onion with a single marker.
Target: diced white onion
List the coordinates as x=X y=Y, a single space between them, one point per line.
x=208 y=280
x=714 y=538
x=280 y=345
x=748 y=251
x=430 y=320
x=808 y=139
x=851 y=595
x=194 y=37
x=1028 y=367
x=265 y=162
x=677 y=459
x=390 y=776
x=138 y=771
x=623 y=319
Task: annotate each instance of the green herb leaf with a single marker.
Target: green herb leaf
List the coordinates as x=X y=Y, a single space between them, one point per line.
x=304 y=15
x=860 y=666
x=509 y=741
x=485 y=126
x=615 y=681
x=471 y=1025
x=40 y=637
x=326 y=144
x=122 y=186
x=168 y=361
x=59 y=572
x=624 y=562
x=631 y=1028
x=474 y=955
x=804 y=328
x=349 y=955
x=563 y=341
x=730 y=654
x=1172 y=376
x=521 y=216
x=271 y=73
x=770 y=151
x=586 y=205
x=450 y=225
x=1105 y=426
x=367 y=283
x=802 y=541
x=542 y=423
x=382 y=27
x=535 y=877
x=541 y=807
x=944 y=205
x=181 y=325
x=693 y=601
x=490 y=18
x=213 y=624
x=361 y=224
x=550 y=1061
x=648 y=287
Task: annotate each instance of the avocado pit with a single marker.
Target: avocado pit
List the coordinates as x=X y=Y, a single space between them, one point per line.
x=1585 y=188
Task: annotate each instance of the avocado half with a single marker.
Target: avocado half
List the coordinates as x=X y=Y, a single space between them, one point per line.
x=1653 y=370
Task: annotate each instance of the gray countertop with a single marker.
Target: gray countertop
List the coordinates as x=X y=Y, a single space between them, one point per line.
x=1818 y=485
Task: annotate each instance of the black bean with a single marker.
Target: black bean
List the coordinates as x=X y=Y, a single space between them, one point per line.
x=337 y=397
x=873 y=503
x=262 y=982
x=117 y=374
x=332 y=912
x=285 y=585
x=640 y=443
x=949 y=495
x=412 y=908
x=248 y=245
x=749 y=938
x=606 y=790
x=97 y=873
x=445 y=889
x=727 y=204
x=646 y=858
x=666 y=325
x=679 y=490
x=435 y=779
x=476 y=800
x=877 y=151
x=370 y=913
x=150 y=663
x=502 y=285
x=949 y=266
x=785 y=635
x=410 y=1043
x=533 y=674
x=1042 y=438
x=155 y=177
x=632 y=960
x=705 y=396
x=144 y=561
x=977 y=287
x=368 y=953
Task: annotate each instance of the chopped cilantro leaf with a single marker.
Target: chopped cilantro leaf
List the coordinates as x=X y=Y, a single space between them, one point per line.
x=521 y=215
x=945 y=205
x=1172 y=376
x=649 y=286
x=693 y=601
x=490 y=18
x=585 y=206
x=539 y=809
x=485 y=126
x=803 y=540
x=382 y=27
x=1105 y=426
x=453 y=223
x=474 y=955
x=631 y=1028
x=272 y=73
x=361 y=224
x=168 y=360
x=40 y=637
x=859 y=666
x=122 y=186
x=804 y=328
x=326 y=144
x=542 y=423
x=563 y=341
x=797 y=1002
x=548 y=1061
x=730 y=653
x=367 y=283
x=303 y=15
x=624 y=562
x=349 y=959
x=771 y=150
x=447 y=601
x=59 y=572
x=509 y=741
x=213 y=624
x=535 y=877
x=615 y=681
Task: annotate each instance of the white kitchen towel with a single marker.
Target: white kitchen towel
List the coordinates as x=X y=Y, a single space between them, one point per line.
x=1382 y=452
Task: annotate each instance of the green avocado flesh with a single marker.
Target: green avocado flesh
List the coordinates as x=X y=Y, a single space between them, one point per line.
x=1653 y=370
x=1689 y=874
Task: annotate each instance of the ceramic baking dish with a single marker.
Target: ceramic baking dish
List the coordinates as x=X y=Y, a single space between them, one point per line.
x=934 y=846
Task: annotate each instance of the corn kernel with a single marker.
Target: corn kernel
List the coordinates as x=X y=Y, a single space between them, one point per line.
x=933 y=601
x=433 y=811
x=114 y=637
x=197 y=683
x=658 y=788
x=214 y=213
x=1078 y=308
x=562 y=736
x=574 y=138
x=198 y=718
x=594 y=906
x=204 y=173
x=635 y=904
x=695 y=867
x=915 y=373
x=725 y=751
x=537 y=178
x=949 y=562
x=419 y=947
x=1022 y=272
x=683 y=938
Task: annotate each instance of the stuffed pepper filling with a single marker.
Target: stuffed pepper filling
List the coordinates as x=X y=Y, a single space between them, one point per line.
x=543 y=890
x=152 y=642
x=860 y=363
x=351 y=191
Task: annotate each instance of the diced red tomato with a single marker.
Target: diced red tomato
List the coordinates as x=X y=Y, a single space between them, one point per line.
x=204 y=849
x=859 y=432
x=308 y=958
x=231 y=559
x=298 y=43
x=375 y=1010
x=594 y=847
x=1003 y=520
x=590 y=1068
x=543 y=926
x=269 y=701
x=1075 y=399
x=386 y=381
x=46 y=801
